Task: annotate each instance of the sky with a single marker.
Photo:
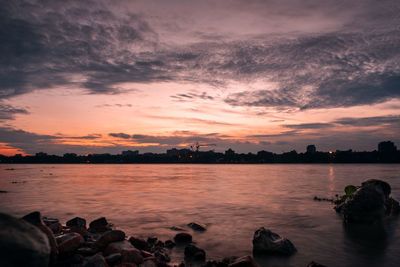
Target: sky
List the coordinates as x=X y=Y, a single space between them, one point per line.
x=107 y=76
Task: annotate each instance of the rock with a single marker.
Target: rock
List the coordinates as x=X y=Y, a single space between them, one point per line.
x=114 y=259
x=139 y=243
x=216 y=264
x=150 y=262
x=99 y=225
x=176 y=228
x=193 y=253
x=49 y=221
x=246 y=261
x=268 y=242
x=152 y=240
x=77 y=221
x=169 y=244
x=183 y=238
x=197 y=227
x=56 y=228
x=35 y=218
x=126 y=264
x=162 y=256
x=22 y=244
x=315 y=264
x=86 y=251
x=109 y=237
x=68 y=243
x=128 y=252
x=96 y=261
x=369 y=204
x=146 y=254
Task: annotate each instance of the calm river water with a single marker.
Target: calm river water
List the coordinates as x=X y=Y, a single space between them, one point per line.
x=232 y=200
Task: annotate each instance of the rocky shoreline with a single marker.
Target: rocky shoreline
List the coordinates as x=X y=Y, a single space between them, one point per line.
x=34 y=240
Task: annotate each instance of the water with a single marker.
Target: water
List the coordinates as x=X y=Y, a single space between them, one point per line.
x=232 y=200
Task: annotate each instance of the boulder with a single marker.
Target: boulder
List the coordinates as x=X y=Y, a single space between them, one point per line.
x=139 y=243
x=36 y=219
x=183 y=238
x=315 y=264
x=370 y=203
x=128 y=252
x=197 y=226
x=246 y=261
x=109 y=237
x=99 y=225
x=162 y=255
x=126 y=264
x=22 y=244
x=77 y=221
x=267 y=242
x=193 y=253
x=169 y=244
x=68 y=243
x=96 y=261
x=114 y=259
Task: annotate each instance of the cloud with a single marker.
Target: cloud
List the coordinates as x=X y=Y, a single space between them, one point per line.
x=192 y=96
x=370 y=121
x=306 y=126
x=8 y=112
x=120 y=135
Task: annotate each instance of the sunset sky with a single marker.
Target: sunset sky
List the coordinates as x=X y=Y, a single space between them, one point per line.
x=275 y=75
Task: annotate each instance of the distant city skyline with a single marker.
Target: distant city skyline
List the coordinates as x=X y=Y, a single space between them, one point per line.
x=109 y=76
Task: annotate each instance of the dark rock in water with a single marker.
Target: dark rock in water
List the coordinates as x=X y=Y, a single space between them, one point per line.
x=139 y=243
x=22 y=244
x=114 y=259
x=109 y=237
x=150 y=262
x=169 y=244
x=77 y=221
x=369 y=204
x=193 y=253
x=99 y=225
x=68 y=243
x=268 y=242
x=246 y=261
x=315 y=264
x=146 y=254
x=126 y=264
x=197 y=227
x=152 y=240
x=86 y=251
x=96 y=261
x=36 y=219
x=162 y=255
x=49 y=221
x=3 y=192
x=56 y=228
x=183 y=238
x=128 y=252
x=216 y=264
x=176 y=228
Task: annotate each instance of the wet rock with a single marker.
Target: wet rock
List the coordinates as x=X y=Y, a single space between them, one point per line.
x=3 y=191
x=216 y=264
x=197 y=226
x=109 y=237
x=128 y=252
x=126 y=264
x=68 y=243
x=315 y=264
x=150 y=262
x=369 y=204
x=96 y=261
x=193 y=253
x=139 y=243
x=99 y=225
x=246 y=261
x=169 y=244
x=56 y=228
x=152 y=240
x=35 y=218
x=77 y=221
x=22 y=244
x=114 y=259
x=183 y=238
x=267 y=242
x=146 y=254
x=176 y=228
x=86 y=251
x=49 y=221
x=162 y=255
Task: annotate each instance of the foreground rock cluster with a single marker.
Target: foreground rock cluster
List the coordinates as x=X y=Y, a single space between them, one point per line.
x=369 y=203
x=39 y=241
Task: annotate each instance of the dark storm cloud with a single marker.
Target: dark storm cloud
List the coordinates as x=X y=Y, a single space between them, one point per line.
x=370 y=121
x=7 y=112
x=120 y=135
x=87 y=44
x=304 y=126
